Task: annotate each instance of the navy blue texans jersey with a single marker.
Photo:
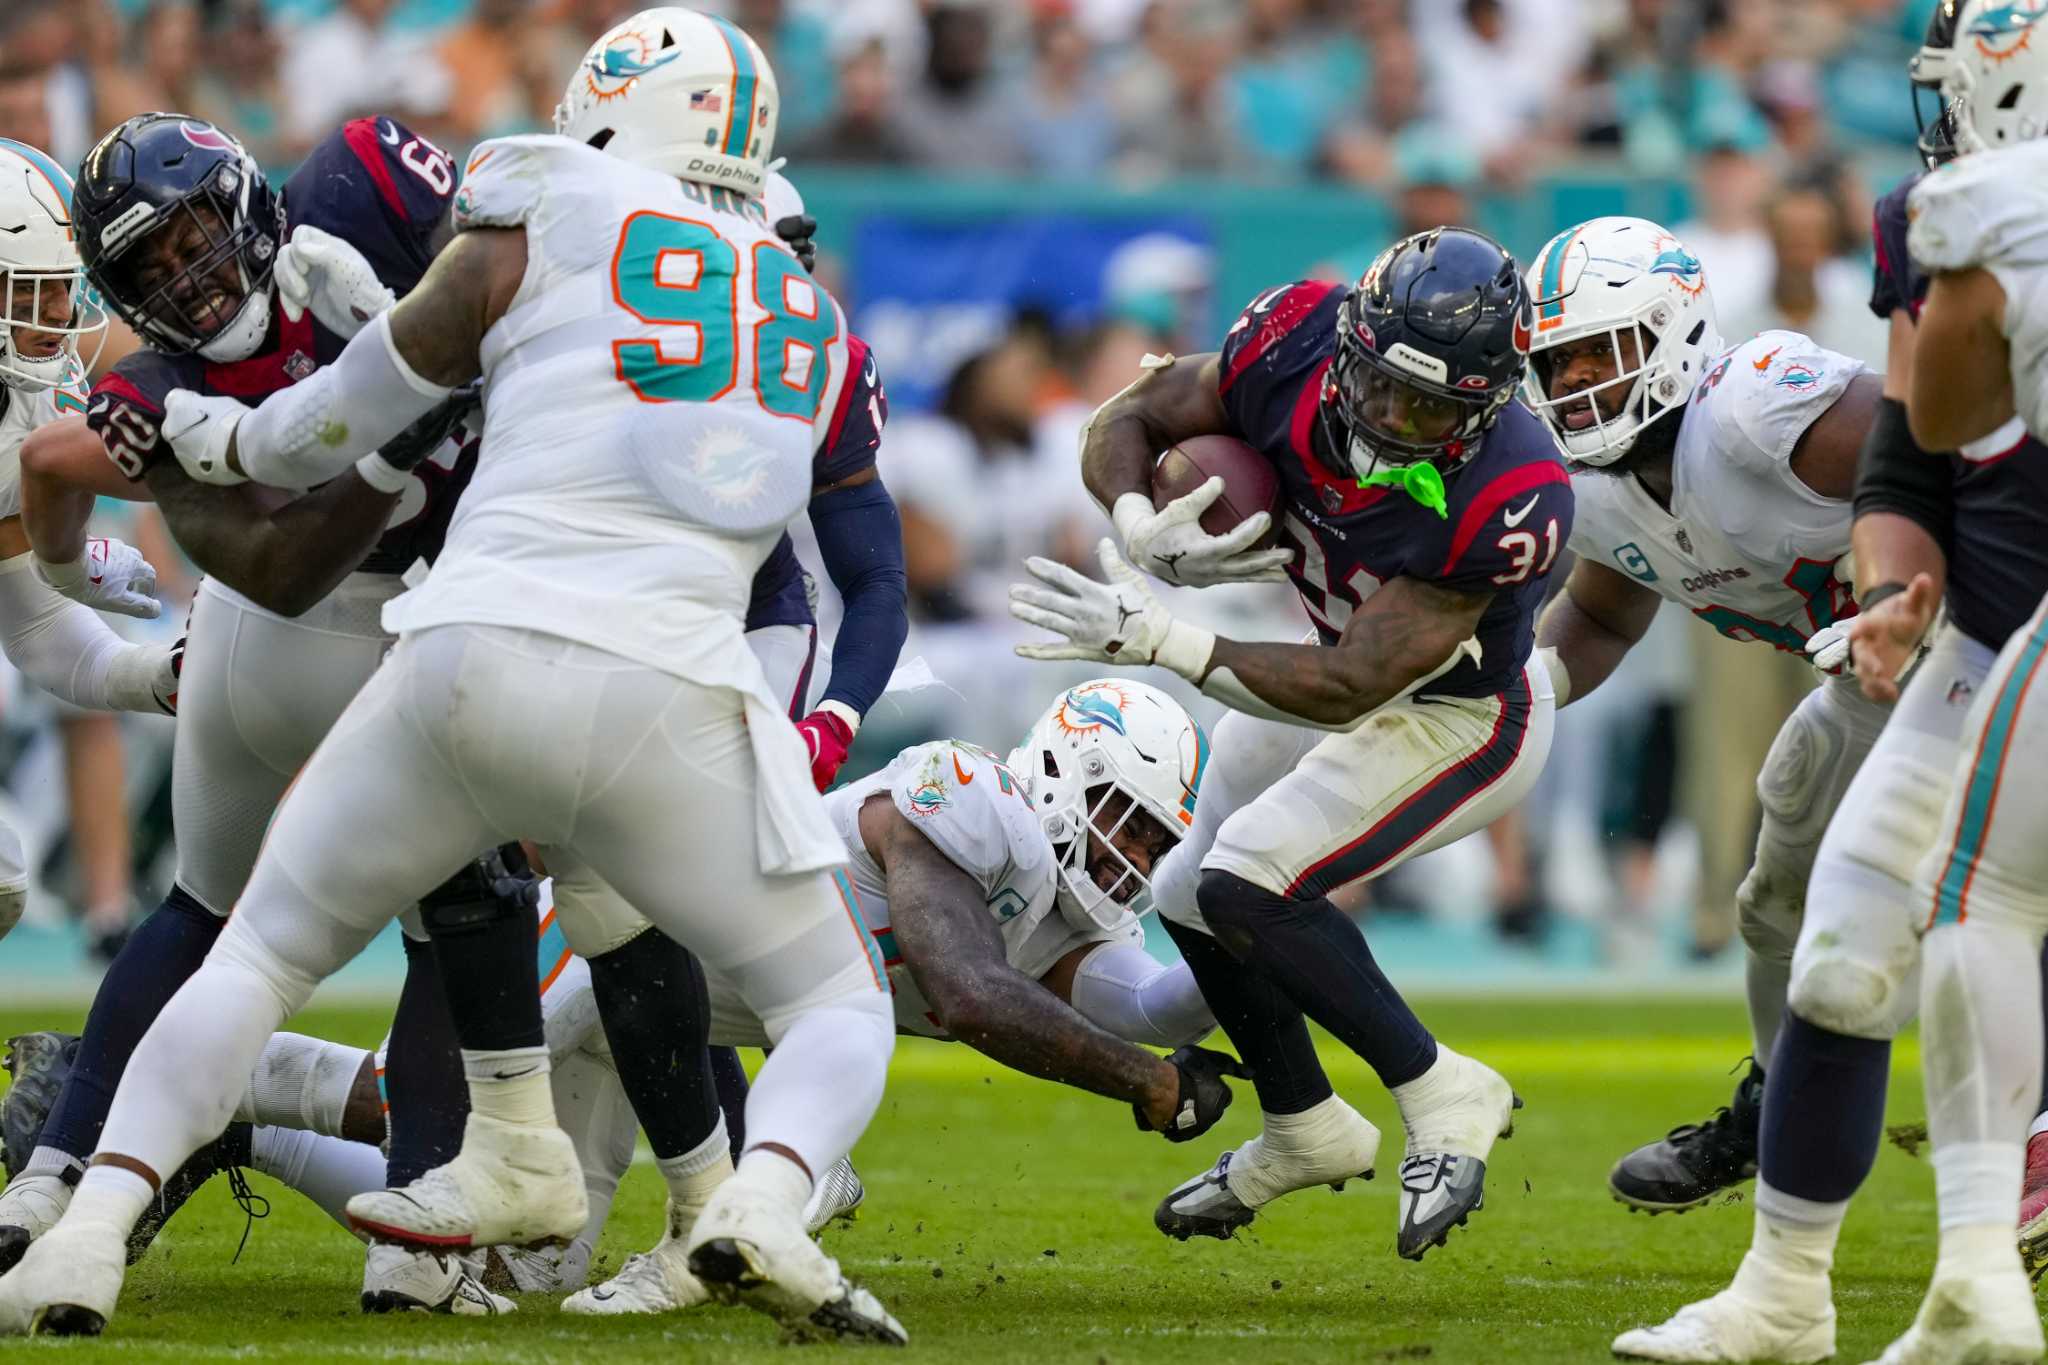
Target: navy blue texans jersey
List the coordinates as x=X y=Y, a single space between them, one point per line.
x=851 y=442
x=386 y=193
x=1997 y=554
x=1509 y=503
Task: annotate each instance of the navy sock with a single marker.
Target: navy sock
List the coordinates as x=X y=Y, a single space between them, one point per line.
x=729 y=1078
x=423 y=1078
x=1269 y=1033
x=165 y=949
x=1823 y=1111
x=483 y=925
x=1318 y=958
x=657 y=1016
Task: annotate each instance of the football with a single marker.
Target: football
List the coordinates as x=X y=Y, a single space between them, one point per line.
x=1250 y=483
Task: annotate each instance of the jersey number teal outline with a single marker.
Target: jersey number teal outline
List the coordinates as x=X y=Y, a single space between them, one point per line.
x=704 y=301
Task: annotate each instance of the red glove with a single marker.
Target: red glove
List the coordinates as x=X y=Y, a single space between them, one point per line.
x=829 y=736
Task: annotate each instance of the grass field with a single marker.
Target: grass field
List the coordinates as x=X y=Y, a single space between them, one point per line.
x=1010 y=1220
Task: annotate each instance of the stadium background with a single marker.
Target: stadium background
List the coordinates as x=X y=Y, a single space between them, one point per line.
x=1018 y=199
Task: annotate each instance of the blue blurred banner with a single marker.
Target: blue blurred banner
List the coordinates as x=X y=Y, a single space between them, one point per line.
x=933 y=293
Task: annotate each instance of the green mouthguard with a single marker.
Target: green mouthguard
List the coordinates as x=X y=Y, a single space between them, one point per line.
x=1419 y=481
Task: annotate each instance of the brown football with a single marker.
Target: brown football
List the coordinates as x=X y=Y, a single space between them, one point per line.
x=1250 y=483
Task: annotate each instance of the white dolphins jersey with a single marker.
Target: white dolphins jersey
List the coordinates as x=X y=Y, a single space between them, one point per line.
x=651 y=402
x=1991 y=210
x=24 y=411
x=978 y=813
x=1746 y=546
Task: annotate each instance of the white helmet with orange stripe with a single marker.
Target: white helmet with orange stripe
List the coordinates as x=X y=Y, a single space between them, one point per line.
x=49 y=310
x=1634 y=285
x=676 y=91
x=1122 y=761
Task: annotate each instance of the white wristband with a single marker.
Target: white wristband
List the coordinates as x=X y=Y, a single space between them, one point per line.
x=381 y=474
x=1130 y=509
x=61 y=575
x=1186 y=650
x=844 y=712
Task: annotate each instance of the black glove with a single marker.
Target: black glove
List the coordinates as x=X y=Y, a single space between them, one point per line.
x=425 y=436
x=799 y=232
x=1203 y=1095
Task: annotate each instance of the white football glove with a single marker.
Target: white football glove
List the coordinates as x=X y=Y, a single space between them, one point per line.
x=199 y=428
x=1171 y=544
x=1827 y=649
x=1115 y=622
x=320 y=271
x=110 y=576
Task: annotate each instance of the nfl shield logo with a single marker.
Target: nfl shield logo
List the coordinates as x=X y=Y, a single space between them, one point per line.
x=1684 y=540
x=1333 y=497
x=298 y=365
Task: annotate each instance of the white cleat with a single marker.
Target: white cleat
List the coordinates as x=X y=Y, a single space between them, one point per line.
x=1729 y=1327
x=539 y=1270
x=67 y=1283
x=1443 y=1168
x=838 y=1194
x=748 y=1247
x=657 y=1281
x=1976 y=1320
x=398 y=1279
x=1230 y=1193
x=510 y=1185
x=29 y=1207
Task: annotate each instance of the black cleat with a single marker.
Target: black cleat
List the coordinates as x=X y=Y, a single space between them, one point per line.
x=228 y=1152
x=39 y=1064
x=13 y=1246
x=1439 y=1192
x=1695 y=1161
x=1204 y=1206
x=67 y=1320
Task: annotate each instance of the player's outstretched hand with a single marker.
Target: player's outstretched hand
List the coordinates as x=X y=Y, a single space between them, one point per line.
x=1171 y=544
x=1884 y=639
x=200 y=428
x=1203 y=1095
x=320 y=271
x=1115 y=622
x=110 y=576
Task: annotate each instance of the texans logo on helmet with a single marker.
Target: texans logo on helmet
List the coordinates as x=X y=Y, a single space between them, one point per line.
x=207 y=136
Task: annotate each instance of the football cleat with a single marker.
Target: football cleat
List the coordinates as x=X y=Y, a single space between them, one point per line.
x=536 y=1270
x=202 y=1166
x=37 y=1065
x=510 y=1184
x=747 y=1247
x=67 y=1282
x=1985 y=1319
x=2034 y=1209
x=399 y=1279
x=657 y=1281
x=29 y=1207
x=1695 y=1161
x=838 y=1194
x=1229 y=1194
x=1443 y=1170
x=1730 y=1327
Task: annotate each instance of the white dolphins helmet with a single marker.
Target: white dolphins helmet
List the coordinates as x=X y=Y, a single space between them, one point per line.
x=676 y=91
x=1995 y=83
x=1612 y=277
x=1102 y=739
x=39 y=255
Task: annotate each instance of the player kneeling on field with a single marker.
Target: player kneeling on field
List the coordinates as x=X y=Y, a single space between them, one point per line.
x=1003 y=899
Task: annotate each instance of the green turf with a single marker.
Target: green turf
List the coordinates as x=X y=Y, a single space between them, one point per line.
x=1010 y=1220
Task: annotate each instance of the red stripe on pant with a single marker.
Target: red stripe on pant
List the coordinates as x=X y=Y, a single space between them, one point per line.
x=803 y=679
x=1414 y=819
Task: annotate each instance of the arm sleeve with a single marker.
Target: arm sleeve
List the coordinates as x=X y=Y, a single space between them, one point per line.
x=860 y=538
x=309 y=433
x=66 y=650
x=1122 y=989
x=1894 y=475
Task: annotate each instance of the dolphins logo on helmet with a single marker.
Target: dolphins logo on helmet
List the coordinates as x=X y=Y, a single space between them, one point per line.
x=1676 y=261
x=2005 y=30
x=610 y=73
x=1092 y=706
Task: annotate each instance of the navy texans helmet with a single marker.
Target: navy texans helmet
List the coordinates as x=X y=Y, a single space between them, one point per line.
x=1431 y=344
x=1927 y=70
x=179 y=232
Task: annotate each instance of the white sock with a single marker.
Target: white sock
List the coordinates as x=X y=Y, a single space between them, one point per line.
x=1766 y=981
x=693 y=1176
x=1969 y=1252
x=1980 y=1048
x=110 y=1194
x=302 y=1082
x=1794 y=1239
x=1288 y=1145
x=51 y=1161
x=2038 y=1126
x=822 y=1083
x=510 y=1085
x=327 y=1170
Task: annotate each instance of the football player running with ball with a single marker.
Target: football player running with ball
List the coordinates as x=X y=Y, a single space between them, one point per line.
x=1422 y=508
x=642 y=427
